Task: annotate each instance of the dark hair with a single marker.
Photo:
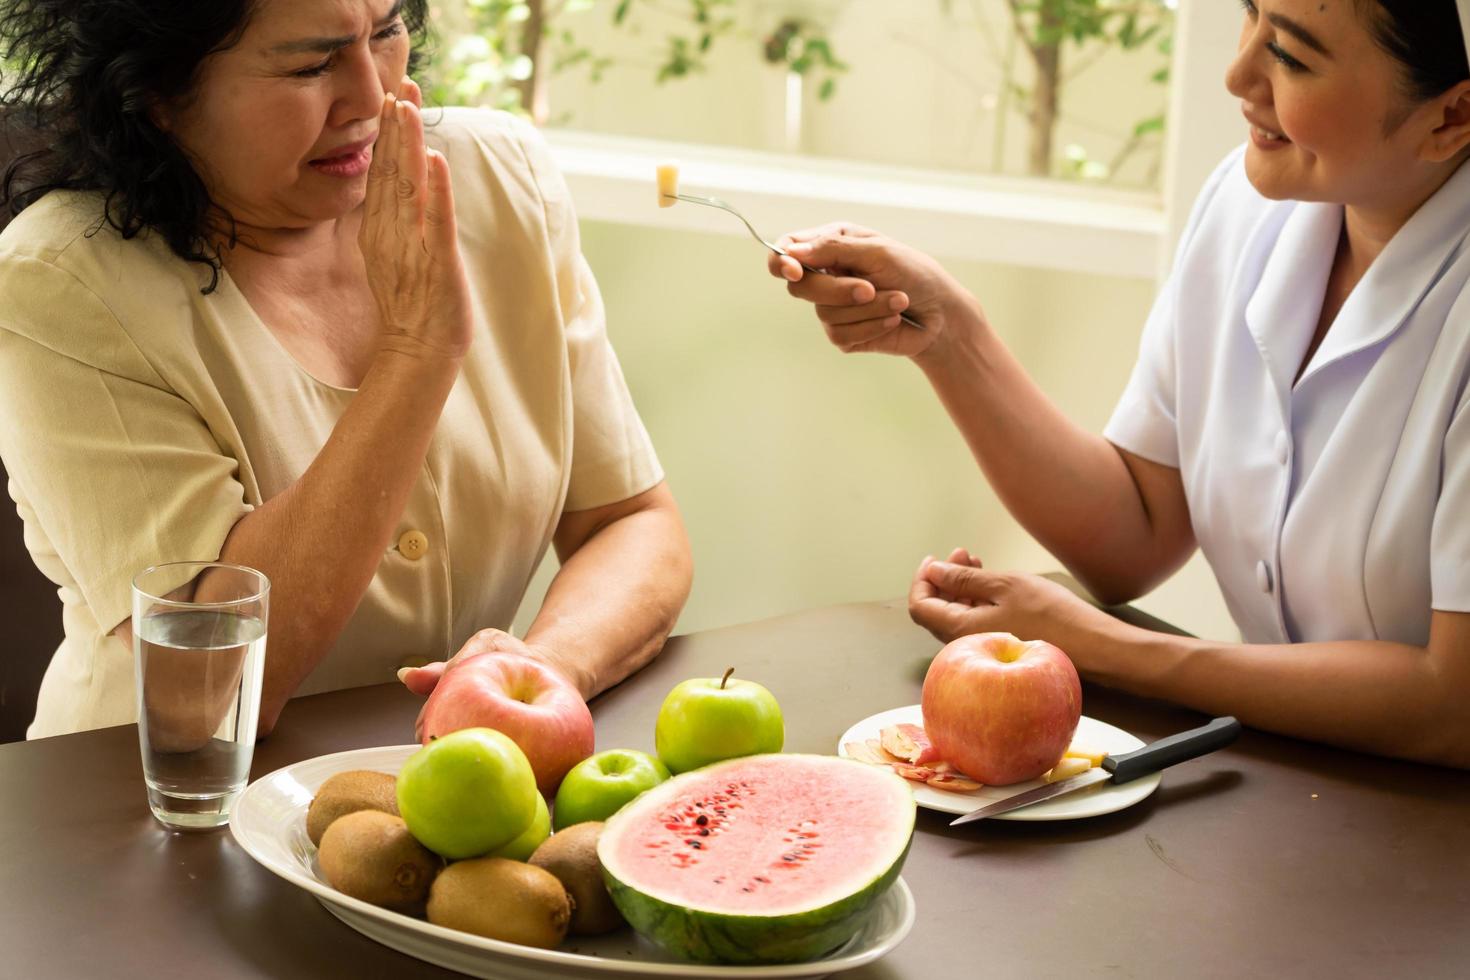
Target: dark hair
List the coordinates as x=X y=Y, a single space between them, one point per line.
x=1425 y=38
x=84 y=75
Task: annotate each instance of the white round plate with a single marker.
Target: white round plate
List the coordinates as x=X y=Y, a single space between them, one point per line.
x=269 y=822
x=1091 y=802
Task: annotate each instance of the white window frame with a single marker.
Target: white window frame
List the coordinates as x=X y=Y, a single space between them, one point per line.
x=1009 y=221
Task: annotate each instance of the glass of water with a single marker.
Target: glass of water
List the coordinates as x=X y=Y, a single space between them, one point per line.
x=199 y=654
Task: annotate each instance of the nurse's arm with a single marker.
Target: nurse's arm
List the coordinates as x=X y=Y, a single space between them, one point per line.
x=1119 y=522
x=1384 y=698
x=625 y=573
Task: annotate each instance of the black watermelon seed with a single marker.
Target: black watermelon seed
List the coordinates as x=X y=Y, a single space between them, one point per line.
x=704 y=831
x=695 y=844
x=701 y=820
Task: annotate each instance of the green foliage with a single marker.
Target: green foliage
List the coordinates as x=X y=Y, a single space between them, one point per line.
x=803 y=49
x=497 y=52
x=491 y=50
x=1092 y=25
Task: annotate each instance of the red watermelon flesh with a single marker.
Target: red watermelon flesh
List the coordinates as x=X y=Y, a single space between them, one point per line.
x=761 y=859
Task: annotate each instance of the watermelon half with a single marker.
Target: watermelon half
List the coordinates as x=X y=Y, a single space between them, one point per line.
x=764 y=859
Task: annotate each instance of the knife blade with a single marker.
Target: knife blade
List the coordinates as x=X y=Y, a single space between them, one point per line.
x=1124 y=768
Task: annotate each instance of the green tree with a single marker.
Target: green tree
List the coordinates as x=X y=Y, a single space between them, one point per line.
x=501 y=52
x=1050 y=29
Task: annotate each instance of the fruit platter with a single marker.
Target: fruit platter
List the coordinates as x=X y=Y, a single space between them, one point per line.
x=501 y=856
x=270 y=823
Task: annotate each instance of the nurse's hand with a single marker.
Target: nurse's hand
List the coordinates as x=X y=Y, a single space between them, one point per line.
x=423 y=680
x=872 y=279
x=408 y=239
x=958 y=597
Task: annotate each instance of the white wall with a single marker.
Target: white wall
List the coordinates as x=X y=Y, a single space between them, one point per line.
x=810 y=477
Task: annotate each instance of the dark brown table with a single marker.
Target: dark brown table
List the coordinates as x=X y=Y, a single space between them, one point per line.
x=1273 y=858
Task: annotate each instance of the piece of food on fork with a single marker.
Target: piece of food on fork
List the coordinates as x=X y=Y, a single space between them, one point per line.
x=668 y=184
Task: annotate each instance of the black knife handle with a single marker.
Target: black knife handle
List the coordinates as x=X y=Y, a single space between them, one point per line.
x=1171 y=749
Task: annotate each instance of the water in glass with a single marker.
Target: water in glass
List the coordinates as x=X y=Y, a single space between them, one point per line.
x=201 y=672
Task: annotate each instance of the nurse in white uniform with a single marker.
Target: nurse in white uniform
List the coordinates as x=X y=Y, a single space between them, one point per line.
x=1300 y=409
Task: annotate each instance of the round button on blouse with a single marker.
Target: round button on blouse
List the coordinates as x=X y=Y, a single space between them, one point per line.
x=1283 y=448
x=413 y=545
x=1263 y=577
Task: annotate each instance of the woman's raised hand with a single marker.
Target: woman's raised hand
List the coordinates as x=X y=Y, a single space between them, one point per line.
x=872 y=280
x=408 y=239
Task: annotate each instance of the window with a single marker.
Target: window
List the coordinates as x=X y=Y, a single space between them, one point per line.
x=900 y=112
x=1075 y=89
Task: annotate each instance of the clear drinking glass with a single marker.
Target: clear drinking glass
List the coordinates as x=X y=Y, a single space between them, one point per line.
x=199 y=649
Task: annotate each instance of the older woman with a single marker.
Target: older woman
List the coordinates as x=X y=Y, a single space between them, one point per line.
x=1300 y=409
x=247 y=313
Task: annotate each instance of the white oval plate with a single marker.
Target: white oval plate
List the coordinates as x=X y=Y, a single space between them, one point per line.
x=1091 y=802
x=269 y=822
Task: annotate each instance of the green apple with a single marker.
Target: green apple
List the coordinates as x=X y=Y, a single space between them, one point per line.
x=468 y=793
x=598 y=786
x=525 y=845
x=713 y=718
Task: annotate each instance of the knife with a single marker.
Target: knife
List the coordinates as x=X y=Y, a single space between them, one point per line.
x=1122 y=768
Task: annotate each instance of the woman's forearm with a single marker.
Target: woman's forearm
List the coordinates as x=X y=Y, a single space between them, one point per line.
x=1070 y=488
x=1373 y=696
x=321 y=540
x=615 y=598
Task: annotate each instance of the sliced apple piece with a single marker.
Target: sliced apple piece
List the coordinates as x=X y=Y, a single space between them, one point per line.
x=909 y=742
x=1093 y=756
x=862 y=752
x=668 y=184
x=919 y=774
x=884 y=754
x=1068 y=767
x=952 y=782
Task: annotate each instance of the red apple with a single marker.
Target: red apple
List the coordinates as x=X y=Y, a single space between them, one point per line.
x=1001 y=710
x=523 y=698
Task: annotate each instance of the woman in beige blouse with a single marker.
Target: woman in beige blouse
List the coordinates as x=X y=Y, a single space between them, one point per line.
x=253 y=309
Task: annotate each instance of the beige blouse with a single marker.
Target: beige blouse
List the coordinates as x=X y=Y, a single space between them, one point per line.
x=139 y=420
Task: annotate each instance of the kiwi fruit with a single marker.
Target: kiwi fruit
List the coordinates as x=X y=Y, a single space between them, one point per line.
x=348 y=792
x=371 y=855
x=571 y=855
x=501 y=899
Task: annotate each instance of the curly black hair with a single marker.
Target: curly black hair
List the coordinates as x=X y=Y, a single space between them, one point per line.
x=83 y=76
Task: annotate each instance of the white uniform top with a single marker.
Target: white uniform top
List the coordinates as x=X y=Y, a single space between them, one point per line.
x=1339 y=507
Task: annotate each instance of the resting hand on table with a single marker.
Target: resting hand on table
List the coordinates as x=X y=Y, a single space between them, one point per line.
x=873 y=279
x=423 y=680
x=958 y=597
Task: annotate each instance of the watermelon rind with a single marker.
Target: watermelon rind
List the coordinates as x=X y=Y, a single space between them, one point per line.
x=706 y=936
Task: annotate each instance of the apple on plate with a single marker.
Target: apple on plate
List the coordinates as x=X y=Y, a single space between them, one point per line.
x=524 y=698
x=597 y=787
x=710 y=719
x=999 y=709
x=468 y=793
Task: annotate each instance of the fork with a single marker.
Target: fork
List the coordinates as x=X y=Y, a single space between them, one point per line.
x=715 y=202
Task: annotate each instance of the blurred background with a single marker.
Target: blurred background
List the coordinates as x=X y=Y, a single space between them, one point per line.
x=1047 y=151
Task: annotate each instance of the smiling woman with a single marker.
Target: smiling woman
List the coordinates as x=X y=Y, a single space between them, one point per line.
x=252 y=310
x=1299 y=410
